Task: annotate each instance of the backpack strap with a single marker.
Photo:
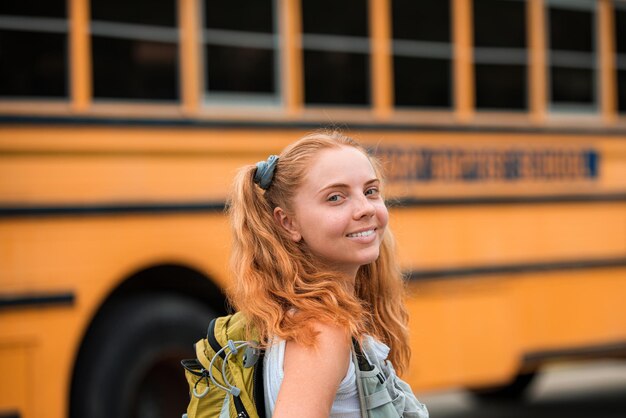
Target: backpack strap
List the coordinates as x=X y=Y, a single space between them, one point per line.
x=258 y=389
x=210 y=337
x=363 y=362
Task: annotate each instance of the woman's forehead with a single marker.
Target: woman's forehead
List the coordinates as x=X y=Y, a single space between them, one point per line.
x=342 y=165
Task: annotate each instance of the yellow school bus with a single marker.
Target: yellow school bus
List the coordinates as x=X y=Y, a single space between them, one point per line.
x=501 y=125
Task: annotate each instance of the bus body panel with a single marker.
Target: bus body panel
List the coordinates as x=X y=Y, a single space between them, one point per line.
x=500 y=271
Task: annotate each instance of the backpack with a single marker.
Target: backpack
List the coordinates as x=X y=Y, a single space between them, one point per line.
x=382 y=394
x=226 y=377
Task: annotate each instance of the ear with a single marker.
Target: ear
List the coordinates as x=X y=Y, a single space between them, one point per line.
x=287 y=223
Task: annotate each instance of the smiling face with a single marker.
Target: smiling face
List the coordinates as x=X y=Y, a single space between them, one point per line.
x=338 y=211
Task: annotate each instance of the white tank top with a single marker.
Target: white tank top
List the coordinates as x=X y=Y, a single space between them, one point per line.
x=346 y=403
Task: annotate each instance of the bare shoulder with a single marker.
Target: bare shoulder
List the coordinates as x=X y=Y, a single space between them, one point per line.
x=332 y=335
x=312 y=374
x=331 y=353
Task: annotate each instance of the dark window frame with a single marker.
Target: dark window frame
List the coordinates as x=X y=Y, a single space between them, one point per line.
x=620 y=59
x=137 y=32
x=573 y=60
x=245 y=39
x=342 y=44
x=503 y=56
x=41 y=25
x=428 y=50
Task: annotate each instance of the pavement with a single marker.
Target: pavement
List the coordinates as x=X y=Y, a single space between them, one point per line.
x=571 y=390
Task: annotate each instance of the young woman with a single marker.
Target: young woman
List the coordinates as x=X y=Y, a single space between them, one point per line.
x=314 y=269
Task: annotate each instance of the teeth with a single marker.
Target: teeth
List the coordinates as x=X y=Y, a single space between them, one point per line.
x=362 y=234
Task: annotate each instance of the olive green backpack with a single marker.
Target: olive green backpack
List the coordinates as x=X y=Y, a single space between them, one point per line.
x=226 y=377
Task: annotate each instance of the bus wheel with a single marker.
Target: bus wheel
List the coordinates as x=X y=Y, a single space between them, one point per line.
x=129 y=366
x=513 y=391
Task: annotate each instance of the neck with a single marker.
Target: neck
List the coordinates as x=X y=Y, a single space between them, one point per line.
x=349 y=274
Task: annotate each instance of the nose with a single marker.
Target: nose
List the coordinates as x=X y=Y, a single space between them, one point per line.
x=364 y=208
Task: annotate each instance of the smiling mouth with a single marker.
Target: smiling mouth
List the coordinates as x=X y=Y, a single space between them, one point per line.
x=361 y=234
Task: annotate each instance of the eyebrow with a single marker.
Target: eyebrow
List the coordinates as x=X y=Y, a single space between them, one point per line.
x=346 y=186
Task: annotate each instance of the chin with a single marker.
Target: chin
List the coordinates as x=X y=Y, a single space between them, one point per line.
x=370 y=259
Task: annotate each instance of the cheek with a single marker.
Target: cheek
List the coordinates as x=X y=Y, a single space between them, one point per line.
x=383 y=215
x=322 y=225
x=335 y=223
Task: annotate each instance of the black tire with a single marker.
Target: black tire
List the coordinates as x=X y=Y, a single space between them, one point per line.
x=129 y=366
x=512 y=392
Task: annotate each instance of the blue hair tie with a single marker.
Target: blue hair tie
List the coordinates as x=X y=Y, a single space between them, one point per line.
x=265 y=172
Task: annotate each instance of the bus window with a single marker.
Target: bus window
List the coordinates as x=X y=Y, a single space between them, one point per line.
x=135 y=50
x=33 y=49
x=620 y=46
x=336 y=52
x=500 y=54
x=422 y=53
x=572 y=55
x=241 y=59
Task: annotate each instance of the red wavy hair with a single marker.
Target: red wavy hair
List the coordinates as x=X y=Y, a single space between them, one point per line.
x=278 y=284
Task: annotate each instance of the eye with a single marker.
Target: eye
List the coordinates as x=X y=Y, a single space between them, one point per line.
x=334 y=198
x=372 y=191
